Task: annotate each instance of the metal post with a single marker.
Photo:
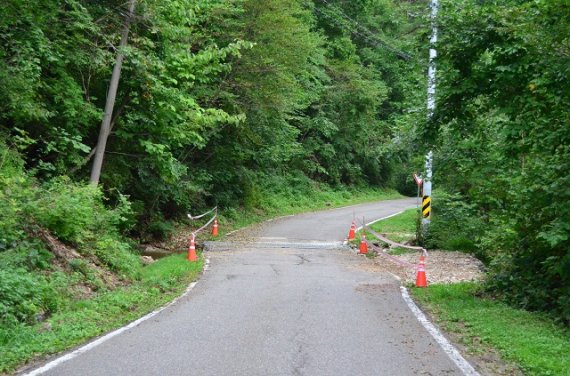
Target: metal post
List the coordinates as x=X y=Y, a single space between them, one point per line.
x=418 y=198
x=426 y=199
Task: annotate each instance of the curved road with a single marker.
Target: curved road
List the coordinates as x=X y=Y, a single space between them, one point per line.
x=290 y=303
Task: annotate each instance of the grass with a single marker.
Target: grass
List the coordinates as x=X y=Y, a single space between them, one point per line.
x=534 y=342
x=81 y=320
x=399 y=228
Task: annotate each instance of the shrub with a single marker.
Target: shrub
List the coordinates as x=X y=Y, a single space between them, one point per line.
x=24 y=296
x=30 y=287
x=75 y=212
x=455 y=224
x=159 y=228
x=15 y=190
x=117 y=256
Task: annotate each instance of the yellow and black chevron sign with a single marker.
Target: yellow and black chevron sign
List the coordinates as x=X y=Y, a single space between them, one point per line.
x=426 y=207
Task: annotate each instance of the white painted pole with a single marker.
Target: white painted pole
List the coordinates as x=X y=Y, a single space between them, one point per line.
x=426 y=200
x=432 y=55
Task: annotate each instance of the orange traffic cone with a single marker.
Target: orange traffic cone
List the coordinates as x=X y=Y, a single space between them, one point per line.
x=421 y=280
x=215 y=228
x=363 y=244
x=192 y=249
x=352 y=231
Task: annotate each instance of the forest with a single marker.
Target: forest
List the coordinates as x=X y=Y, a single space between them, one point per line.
x=228 y=102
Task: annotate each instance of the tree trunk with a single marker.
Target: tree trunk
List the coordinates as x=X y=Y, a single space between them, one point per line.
x=106 y=123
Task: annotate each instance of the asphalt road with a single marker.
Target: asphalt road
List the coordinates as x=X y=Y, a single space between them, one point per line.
x=281 y=310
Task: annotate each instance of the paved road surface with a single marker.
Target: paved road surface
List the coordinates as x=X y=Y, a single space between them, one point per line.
x=263 y=309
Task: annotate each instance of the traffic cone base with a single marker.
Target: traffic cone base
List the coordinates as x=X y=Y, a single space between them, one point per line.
x=421 y=280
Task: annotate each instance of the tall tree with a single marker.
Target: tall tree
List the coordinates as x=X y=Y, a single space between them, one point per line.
x=111 y=95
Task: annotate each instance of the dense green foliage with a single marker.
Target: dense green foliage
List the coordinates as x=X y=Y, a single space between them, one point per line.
x=39 y=275
x=213 y=96
x=502 y=140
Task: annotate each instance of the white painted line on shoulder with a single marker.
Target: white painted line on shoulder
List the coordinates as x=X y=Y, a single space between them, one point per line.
x=447 y=347
x=62 y=359
x=380 y=219
x=345 y=207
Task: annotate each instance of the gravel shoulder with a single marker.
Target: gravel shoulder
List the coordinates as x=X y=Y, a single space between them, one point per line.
x=441 y=266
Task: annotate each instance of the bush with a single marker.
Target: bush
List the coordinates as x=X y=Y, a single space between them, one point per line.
x=404 y=183
x=159 y=228
x=75 y=211
x=455 y=225
x=24 y=297
x=30 y=286
x=117 y=255
x=15 y=191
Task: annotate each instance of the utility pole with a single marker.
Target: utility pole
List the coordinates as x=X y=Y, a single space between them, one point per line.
x=432 y=55
x=111 y=95
x=426 y=199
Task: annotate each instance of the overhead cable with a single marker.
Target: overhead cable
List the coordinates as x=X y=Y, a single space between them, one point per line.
x=368 y=36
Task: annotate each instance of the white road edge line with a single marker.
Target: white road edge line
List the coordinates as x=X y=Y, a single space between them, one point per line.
x=345 y=242
x=368 y=202
x=381 y=219
x=54 y=363
x=447 y=347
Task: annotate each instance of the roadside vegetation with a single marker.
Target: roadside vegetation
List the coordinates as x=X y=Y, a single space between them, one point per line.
x=400 y=228
x=532 y=342
x=500 y=138
x=77 y=314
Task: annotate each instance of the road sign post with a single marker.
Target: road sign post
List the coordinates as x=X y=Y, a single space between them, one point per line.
x=419 y=182
x=426 y=198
